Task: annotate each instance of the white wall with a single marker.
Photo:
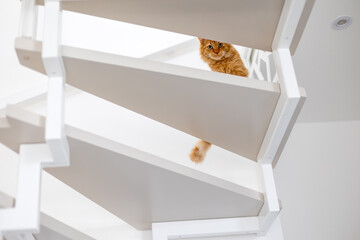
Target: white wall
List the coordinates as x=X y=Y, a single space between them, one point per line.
x=318 y=181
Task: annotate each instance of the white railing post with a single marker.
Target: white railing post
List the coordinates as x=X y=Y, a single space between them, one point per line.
x=271 y=208
x=288 y=23
x=28 y=19
x=285 y=108
x=23 y=220
x=256 y=63
x=284 y=111
x=54 y=66
x=290 y=93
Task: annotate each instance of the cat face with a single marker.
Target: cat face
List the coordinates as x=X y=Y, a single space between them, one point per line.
x=213 y=49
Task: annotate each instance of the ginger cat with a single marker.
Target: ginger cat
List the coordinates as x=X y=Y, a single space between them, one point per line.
x=221 y=57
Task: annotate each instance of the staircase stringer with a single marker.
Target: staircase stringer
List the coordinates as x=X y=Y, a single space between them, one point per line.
x=23 y=220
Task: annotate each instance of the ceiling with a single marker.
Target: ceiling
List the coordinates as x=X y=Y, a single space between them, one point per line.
x=326 y=62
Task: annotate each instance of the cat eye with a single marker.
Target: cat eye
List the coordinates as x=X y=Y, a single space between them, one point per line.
x=220 y=45
x=210 y=47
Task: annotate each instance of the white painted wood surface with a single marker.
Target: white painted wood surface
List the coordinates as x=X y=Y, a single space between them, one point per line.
x=55 y=70
x=6 y=201
x=138 y=187
x=286 y=110
x=25 y=216
x=271 y=207
x=257 y=19
x=147 y=135
x=54 y=229
x=205 y=228
x=230 y=111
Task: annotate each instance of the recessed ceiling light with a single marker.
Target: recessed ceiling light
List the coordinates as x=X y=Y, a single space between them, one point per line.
x=341 y=22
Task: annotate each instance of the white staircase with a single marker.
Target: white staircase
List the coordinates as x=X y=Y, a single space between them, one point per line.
x=248 y=120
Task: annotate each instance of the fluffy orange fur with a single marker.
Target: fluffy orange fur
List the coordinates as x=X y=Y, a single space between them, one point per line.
x=221 y=57
x=199 y=151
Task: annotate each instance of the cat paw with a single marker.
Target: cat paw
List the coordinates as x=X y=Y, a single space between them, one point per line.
x=196 y=156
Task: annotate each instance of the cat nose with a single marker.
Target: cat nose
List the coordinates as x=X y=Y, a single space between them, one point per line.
x=216 y=51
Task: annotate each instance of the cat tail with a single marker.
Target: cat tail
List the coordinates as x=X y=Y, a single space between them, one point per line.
x=199 y=151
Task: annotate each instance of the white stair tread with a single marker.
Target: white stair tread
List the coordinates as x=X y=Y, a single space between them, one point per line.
x=121 y=125
x=251 y=23
x=229 y=111
x=138 y=187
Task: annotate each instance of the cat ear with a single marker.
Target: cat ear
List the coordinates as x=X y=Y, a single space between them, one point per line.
x=201 y=40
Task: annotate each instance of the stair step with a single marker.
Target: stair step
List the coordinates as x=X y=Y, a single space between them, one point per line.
x=252 y=23
x=229 y=111
x=136 y=186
